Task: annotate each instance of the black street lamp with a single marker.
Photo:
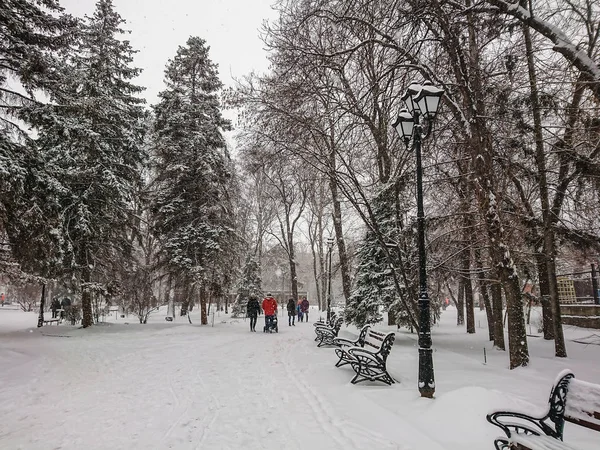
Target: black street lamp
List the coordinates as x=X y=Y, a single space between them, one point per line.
x=330 y=249
x=421 y=102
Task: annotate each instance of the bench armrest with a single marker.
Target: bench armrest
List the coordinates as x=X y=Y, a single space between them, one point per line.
x=509 y=426
x=324 y=330
x=361 y=352
x=345 y=342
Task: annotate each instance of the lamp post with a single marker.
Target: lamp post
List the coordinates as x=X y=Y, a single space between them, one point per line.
x=330 y=249
x=422 y=103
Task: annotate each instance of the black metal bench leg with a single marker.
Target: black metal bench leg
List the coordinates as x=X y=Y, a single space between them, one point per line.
x=501 y=444
x=387 y=378
x=341 y=362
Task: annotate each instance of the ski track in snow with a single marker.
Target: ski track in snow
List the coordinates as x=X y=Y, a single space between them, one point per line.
x=324 y=418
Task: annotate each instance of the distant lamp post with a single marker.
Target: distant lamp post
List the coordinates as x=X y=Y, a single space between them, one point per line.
x=329 y=250
x=422 y=102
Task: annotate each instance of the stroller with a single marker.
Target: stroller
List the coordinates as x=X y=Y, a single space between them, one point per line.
x=272 y=326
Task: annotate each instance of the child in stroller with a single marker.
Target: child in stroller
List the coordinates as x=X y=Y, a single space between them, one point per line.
x=271 y=325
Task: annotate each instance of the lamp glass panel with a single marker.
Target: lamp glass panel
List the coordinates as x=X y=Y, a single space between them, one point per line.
x=408 y=101
x=406 y=128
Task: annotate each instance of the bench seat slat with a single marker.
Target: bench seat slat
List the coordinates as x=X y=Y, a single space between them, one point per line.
x=538 y=443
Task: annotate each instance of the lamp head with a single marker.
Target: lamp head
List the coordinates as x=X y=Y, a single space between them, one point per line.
x=412 y=90
x=404 y=124
x=428 y=99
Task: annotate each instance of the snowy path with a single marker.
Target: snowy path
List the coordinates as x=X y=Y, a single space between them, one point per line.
x=179 y=387
x=176 y=386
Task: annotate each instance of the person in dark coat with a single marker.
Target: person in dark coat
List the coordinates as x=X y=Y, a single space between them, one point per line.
x=54 y=307
x=304 y=307
x=66 y=306
x=291 y=309
x=252 y=311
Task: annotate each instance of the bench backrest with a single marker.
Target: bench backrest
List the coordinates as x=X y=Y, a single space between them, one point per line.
x=337 y=324
x=363 y=335
x=380 y=342
x=574 y=401
x=583 y=404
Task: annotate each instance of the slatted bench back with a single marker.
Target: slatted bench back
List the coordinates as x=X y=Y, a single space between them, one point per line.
x=379 y=342
x=583 y=404
x=338 y=324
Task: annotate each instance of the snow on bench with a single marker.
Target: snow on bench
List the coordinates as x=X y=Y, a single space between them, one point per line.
x=570 y=400
x=533 y=442
x=50 y=321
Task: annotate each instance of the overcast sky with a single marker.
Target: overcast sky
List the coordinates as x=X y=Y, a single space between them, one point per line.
x=158 y=27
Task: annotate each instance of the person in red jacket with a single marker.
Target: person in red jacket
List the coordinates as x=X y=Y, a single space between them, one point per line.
x=269 y=306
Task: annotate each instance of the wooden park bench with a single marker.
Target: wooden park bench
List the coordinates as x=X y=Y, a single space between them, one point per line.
x=51 y=321
x=369 y=365
x=326 y=334
x=571 y=400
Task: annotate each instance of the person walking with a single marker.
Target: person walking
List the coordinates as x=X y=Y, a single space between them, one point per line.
x=269 y=306
x=299 y=311
x=66 y=309
x=252 y=311
x=55 y=306
x=291 y=309
x=304 y=307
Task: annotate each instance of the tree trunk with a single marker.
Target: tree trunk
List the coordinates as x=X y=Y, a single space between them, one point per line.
x=469 y=305
x=517 y=332
x=337 y=225
x=203 y=312
x=185 y=303
x=497 y=307
x=171 y=298
x=42 y=302
x=485 y=296
x=87 y=318
x=547 y=320
x=317 y=273
x=560 y=349
x=293 y=273
x=481 y=147
x=549 y=238
x=316 y=244
x=468 y=290
x=483 y=286
x=460 y=306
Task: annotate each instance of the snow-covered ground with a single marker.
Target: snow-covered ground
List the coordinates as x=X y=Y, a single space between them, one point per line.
x=180 y=386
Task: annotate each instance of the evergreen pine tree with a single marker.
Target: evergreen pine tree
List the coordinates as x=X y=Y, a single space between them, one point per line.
x=374 y=288
x=249 y=285
x=92 y=137
x=192 y=209
x=34 y=36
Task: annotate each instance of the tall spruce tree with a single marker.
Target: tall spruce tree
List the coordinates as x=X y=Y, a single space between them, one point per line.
x=192 y=208
x=374 y=288
x=93 y=139
x=33 y=38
